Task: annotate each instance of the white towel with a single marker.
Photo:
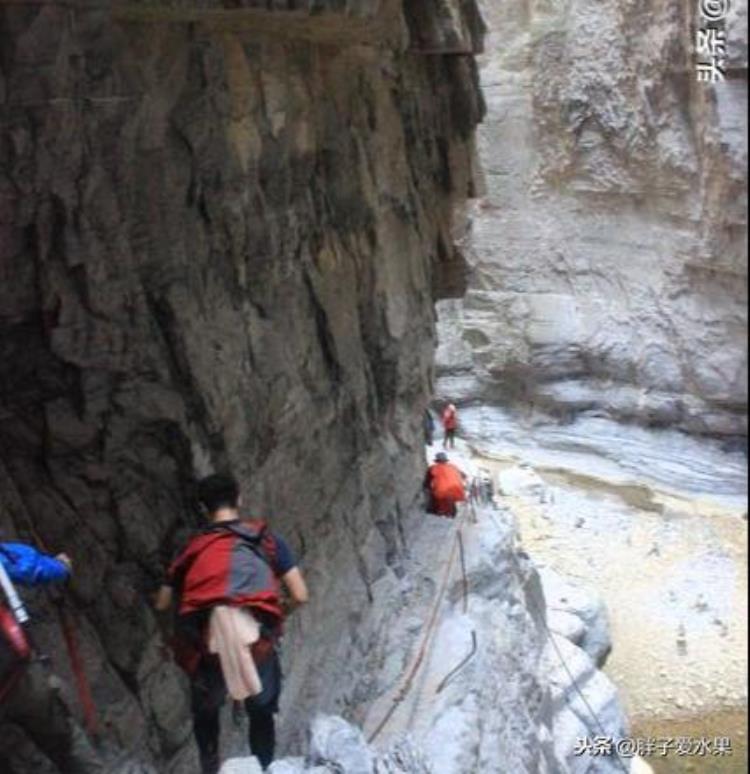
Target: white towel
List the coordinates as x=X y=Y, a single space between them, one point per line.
x=232 y=631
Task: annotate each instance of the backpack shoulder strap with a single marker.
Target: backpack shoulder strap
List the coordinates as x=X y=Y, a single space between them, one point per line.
x=266 y=541
x=254 y=535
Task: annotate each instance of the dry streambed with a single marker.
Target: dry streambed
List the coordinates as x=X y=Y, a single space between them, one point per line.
x=671 y=567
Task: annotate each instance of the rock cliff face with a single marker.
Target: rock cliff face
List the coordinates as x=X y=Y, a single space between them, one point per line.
x=609 y=267
x=222 y=231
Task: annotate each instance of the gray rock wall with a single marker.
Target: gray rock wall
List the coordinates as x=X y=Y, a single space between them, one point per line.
x=609 y=266
x=221 y=234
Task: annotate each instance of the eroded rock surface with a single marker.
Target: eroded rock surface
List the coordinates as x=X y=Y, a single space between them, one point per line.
x=222 y=231
x=632 y=456
x=609 y=260
x=491 y=693
x=337 y=747
x=670 y=565
x=464 y=672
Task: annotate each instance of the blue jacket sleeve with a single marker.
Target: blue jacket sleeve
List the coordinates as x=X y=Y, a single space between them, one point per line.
x=29 y=567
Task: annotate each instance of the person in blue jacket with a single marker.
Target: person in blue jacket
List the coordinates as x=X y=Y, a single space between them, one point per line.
x=29 y=567
x=34 y=703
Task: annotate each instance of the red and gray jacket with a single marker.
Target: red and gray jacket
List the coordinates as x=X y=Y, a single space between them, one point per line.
x=229 y=563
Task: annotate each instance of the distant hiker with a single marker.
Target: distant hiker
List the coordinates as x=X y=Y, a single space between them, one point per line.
x=230 y=615
x=444 y=484
x=428 y=424
x=475 y=493
x=487 y=488
x=29 y=694
x=482 y=489
x=450 y=423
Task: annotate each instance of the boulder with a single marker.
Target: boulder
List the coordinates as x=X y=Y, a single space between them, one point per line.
x=247 y=765
x=340 y=746
x=578 y=614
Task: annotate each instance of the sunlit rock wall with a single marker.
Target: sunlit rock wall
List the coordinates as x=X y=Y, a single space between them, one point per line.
x=609 y=266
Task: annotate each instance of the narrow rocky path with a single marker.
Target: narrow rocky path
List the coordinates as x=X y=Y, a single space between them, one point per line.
x=490 y=692
x=467 y=665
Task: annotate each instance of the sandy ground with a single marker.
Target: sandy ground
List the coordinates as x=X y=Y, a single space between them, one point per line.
x=672 y=571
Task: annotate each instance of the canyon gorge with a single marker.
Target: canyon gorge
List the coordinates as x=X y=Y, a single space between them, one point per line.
x=599 y=355
x=262 y=237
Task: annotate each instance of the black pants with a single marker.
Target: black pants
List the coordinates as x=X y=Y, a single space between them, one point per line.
x=208 y=694
x=449 y=439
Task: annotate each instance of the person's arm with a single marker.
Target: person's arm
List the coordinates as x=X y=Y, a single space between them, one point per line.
x=163 y=598
x=286 y=569
x=30 y=567
x=297 y=588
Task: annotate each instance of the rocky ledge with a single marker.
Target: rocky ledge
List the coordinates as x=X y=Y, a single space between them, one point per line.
x=505 y=680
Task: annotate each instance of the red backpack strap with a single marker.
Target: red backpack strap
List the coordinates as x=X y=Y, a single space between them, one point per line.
x=15 y=651
x=270 y=549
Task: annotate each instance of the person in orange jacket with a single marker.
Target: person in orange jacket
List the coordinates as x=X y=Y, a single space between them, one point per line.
x=450 y=424
x=445 y=486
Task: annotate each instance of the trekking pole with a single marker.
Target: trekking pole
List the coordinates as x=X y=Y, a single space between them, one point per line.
x=21 y=616
x=16 y=606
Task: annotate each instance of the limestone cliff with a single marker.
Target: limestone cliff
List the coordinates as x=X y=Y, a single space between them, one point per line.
x=609 y=266
x=222 y=230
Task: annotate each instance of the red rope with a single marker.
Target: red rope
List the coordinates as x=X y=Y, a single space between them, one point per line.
x=76 y=662
x=67 y=625
x=427 y=634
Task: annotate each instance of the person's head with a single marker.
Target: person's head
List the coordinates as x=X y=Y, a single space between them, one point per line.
x=218 y=491
x=441 y=457
x=452 y=406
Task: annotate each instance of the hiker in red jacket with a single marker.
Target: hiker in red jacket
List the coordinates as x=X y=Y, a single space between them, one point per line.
x=444 y=484
x=237 y=563
x=450 y=424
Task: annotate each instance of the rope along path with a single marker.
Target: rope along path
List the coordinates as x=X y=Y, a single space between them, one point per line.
x=426 y=637
x=457 y=546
